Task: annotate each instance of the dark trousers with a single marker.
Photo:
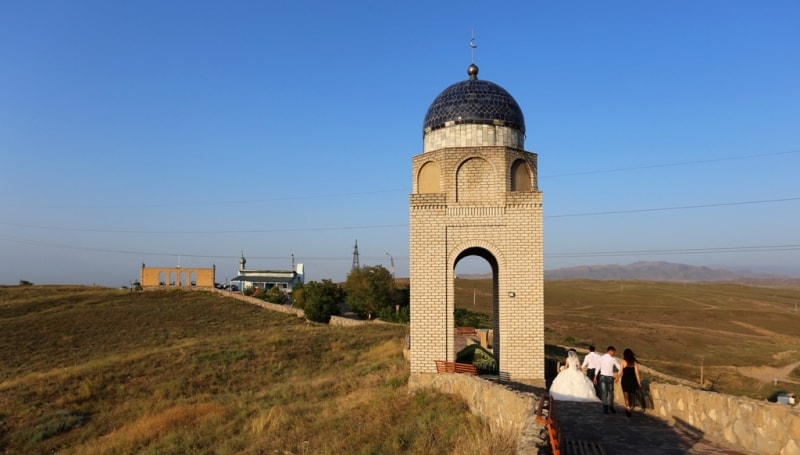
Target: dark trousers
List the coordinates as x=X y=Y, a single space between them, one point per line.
x=590 y=375
x=607 y=391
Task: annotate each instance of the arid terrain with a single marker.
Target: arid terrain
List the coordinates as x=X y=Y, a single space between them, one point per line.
x=90 y=370
x=738 y=338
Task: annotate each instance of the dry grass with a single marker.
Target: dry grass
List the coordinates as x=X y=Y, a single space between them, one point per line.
x=674 y=327
x=95 y=371
x=101 y=371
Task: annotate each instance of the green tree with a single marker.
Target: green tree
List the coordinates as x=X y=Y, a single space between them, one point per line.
x=321 y=300
x=398 y=311
x=275 y=295
x=297 y=296
x=369 y=289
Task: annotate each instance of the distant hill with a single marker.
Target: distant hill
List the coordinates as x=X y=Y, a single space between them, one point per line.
x=651 y=271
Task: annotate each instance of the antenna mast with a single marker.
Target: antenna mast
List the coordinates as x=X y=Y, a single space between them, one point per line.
x=356 y=265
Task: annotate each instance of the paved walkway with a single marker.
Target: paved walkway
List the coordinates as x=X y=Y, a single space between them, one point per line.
x=640 y=434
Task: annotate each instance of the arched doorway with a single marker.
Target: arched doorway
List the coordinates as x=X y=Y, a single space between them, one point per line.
x=475 y=295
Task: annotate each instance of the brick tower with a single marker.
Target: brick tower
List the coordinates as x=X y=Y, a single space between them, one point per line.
x=475 y=193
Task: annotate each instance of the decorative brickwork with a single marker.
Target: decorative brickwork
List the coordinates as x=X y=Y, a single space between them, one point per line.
x=475 y=193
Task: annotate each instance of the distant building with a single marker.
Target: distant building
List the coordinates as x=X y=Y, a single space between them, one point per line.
x=177 y=276
x=285 y=280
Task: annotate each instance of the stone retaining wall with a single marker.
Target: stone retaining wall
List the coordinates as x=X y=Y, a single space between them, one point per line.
x=756 y=426
x=349 y=322
x=270 y=306
x=506 y=410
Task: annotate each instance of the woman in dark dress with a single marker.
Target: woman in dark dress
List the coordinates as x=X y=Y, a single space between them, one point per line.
x=631 y=383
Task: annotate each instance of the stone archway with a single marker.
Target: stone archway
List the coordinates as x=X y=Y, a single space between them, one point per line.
x=491 y=262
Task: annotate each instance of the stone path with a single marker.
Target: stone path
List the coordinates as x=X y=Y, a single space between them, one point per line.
x=640 y=434
x=618 y=434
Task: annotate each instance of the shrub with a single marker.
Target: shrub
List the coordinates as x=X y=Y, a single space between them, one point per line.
x=321 y=300
x=274 y=295
x=56 y=424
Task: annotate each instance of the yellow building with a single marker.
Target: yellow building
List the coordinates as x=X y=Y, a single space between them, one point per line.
x=177 y=276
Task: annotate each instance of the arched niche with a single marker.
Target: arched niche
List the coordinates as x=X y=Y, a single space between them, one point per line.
x=475 y=181
x=429 y=178
x=521 y=179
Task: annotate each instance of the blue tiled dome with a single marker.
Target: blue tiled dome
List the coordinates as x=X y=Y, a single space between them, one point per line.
x=474 y=101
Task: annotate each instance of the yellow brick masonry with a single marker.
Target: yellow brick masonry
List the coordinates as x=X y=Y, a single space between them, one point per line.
x=476 y=213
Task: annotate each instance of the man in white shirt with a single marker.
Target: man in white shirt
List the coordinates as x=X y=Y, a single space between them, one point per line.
x=606 y=377
x=592 y=364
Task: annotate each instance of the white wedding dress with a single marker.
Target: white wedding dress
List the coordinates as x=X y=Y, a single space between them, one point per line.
x=571 y=384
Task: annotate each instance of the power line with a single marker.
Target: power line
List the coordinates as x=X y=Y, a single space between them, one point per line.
x=223 y=231
x=407 y=190
x=682 y=207
x=236 y=202
x=584 y=254
x=678 y=163
x=384 y=226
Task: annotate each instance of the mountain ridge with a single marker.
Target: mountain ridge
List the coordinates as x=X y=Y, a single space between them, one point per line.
x=655 y=271
x=658 y=271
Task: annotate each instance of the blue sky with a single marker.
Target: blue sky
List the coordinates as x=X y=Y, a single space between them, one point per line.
x=186 y=132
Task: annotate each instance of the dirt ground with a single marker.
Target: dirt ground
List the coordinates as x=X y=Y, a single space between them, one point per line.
x=770 y=374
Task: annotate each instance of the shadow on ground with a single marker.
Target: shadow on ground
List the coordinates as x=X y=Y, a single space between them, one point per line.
x=639 y=434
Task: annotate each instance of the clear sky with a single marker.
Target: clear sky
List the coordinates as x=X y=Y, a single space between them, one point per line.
x=187 y=132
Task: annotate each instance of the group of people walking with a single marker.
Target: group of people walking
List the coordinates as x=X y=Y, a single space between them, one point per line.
x=597 y=382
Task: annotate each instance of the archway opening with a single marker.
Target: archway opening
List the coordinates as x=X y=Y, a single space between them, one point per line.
x=475 y=294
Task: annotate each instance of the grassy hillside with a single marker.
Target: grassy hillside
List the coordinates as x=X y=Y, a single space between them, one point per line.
x=743 y=336
x=93 y=371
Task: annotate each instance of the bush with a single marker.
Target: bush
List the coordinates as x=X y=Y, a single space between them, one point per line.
x=275 y=295
x=390 y=314
x=466 y=318
x=54 y=425
x=369 y=289
x=321 y=300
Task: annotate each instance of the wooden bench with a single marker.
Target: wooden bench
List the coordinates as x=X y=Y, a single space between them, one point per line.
x=454 y=367
x=546 y=415
x=466 y=331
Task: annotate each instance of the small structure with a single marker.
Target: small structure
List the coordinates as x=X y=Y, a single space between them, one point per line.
x=177 y=276
x=285 y=280
x=786 y=398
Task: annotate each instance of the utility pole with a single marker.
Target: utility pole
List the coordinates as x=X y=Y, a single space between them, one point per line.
x=701 y=372
x=391 y=261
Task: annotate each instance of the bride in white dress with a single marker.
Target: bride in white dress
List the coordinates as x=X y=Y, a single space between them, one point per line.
x=572 y=384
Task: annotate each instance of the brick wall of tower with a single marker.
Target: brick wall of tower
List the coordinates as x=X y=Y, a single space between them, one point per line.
x=506 y=224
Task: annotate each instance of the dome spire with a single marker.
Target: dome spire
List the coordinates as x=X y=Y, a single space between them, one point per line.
x=472 y=71
x=472 y=45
